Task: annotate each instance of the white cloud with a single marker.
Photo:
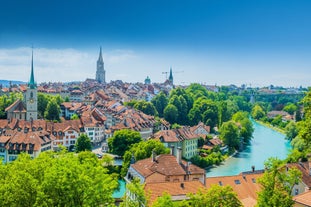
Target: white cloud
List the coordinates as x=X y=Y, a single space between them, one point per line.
x=58 y=64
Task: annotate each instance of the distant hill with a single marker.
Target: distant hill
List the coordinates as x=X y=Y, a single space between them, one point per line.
x=6 y=83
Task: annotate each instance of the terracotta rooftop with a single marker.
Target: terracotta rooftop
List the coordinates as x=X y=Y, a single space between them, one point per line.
x=175 y=135
x=245 y=186
x=177 y=190
x=18 y=105
x=304 y=167
x=303 y=199
x=165 y=164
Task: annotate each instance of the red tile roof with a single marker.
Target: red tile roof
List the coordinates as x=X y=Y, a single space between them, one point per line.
x=245 y=185
x=175 y=189
x=165 y=164
x=303 y=199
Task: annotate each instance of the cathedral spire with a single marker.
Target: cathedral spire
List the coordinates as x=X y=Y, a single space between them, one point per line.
x=100 y=58
x=32 y=83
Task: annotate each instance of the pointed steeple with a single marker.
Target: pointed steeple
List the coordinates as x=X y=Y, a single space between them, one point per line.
x=32 y=83
x=170 y=78
x=100 y=58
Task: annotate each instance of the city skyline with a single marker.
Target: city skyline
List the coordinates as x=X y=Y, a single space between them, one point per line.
x=213 y=42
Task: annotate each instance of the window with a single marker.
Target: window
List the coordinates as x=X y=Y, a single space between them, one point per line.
x=220 y=183
x=296 y=191
x=253 y=180
x=237 y=182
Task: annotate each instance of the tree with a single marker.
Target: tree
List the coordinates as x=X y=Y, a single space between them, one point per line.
x=171 y=113
x=257 y=112
x=52 y=110
x=43 y=101
x=229 y=133
x=290 y=108
x=160 y=102
x=140 y=199
x=146 y=107
x=277 y=184
x=246 y=126
x=122 y=141
x=56 y=179
x=142 y=150
x=215 y=196
x=164 y=200
x=291 y=130
x=83 y=143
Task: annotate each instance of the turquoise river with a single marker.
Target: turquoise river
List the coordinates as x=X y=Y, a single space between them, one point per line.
x=265 y=143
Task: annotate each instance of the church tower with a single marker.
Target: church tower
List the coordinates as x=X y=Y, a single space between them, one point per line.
x=100 y=72
x=170 y=78
x=30 y=96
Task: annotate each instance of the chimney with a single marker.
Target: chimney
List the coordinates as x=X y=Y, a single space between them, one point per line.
x=179 y=155
x=253 y=168
x=188 y=167
x=172 y=150
x=154 y=159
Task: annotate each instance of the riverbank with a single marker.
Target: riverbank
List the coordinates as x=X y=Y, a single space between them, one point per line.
x=266 y=143
x=271 y=127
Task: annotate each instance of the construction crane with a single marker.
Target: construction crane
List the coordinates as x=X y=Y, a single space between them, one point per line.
x=172 y=72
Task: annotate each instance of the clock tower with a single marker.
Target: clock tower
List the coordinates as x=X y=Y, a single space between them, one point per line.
x=100 y=72
x=30 y=97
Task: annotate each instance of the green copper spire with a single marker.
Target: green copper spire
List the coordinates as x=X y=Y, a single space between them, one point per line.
x=32 y=83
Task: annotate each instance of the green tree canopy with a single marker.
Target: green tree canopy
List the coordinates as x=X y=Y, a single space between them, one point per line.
x=142 y=150
x=83 y=143
x=291 y=130
x=258 y=112
x=51 y=179
x=229 y=133
x=215 y=196
x=122 y=140
x=160 y=101
x=52 y=111
x=246 y=126
x=171 y=113
x=146 y=107
x=290 y=108
x=277 y=184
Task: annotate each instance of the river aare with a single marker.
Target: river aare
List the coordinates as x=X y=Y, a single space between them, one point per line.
x=265 y=143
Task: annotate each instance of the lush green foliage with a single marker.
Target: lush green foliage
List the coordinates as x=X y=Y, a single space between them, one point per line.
x=7 y=100
x=122 y=141
x=62 y=179
x=246 y=128
x=277 y=184
x=258 y=112
x=160 y=102
x=215 y=196
x=195 y=103
x=141 y=199
x=229 y=133
x=52 y=111
x=141 y=151
x=83 y=143
x=207 y=158
x=144 y=106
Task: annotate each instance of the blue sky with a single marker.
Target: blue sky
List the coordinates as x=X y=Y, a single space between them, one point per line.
x=258 y=42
